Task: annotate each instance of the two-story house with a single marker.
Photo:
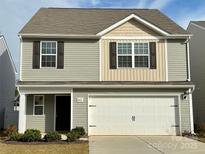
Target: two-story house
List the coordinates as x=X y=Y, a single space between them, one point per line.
x=7 y=86
x=111 y=71
x=197 y=54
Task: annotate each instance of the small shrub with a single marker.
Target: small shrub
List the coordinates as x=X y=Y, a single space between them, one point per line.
x=10 y=129
x=72 y=136
x=186 y=133
x=15 y=136
x=31 y=135
x=79 y=130
x=52 y=136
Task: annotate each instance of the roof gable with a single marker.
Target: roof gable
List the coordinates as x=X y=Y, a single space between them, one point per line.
x=134 y=25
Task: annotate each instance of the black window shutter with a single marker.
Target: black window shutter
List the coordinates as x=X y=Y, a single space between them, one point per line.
x=152 y=47
x=36 y=55
x=60 y=55
x=113 y=63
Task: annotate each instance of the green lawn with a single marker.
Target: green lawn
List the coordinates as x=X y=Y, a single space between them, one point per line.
x=75 y=148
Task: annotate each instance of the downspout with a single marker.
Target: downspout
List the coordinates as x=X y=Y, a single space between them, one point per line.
x=191 y=90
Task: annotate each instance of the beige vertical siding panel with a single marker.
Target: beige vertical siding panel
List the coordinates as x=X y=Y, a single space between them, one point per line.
x=132 y=28
x=134 y=74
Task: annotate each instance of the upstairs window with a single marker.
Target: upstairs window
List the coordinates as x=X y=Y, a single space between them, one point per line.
x=124 y=54
x=133 y=55
x=48 y=53
x=38 y=106
x=141 y=52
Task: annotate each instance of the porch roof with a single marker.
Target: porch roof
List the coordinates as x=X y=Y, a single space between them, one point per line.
x=107 y=84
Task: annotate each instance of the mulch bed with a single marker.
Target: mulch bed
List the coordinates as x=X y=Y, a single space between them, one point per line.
x=44 y=142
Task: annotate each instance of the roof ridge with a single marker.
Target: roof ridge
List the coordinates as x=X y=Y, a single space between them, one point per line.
x=100 y=8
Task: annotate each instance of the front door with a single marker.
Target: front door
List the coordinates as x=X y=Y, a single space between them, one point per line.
x=63 y=114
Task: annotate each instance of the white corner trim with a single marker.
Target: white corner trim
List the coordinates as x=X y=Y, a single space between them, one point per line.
x=21 y=58
x=71 y=109
x=188 y=63
x=180 y=115
x=54 y=108
x=191 y=112
x=166 y=60
x=22 y=114
x=100 y=60
x=132 y=16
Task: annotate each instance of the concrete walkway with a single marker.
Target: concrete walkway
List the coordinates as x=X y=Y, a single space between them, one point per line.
x=144 y=145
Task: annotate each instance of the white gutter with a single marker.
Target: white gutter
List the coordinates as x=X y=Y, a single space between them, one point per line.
x=41 y=35
x=111 y=86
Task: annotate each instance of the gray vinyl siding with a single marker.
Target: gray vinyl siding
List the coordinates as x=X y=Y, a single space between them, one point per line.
x=177 y=60
x=185 y=115
x=81 y=62
x=43 y=123
x=7 y=89
x=80 y=110
x=197 y=54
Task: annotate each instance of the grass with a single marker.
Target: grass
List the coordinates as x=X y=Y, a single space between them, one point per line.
x=51 y=148
x=81 y=148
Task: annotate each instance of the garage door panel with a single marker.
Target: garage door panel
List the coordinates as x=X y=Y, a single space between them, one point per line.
x=133 y=116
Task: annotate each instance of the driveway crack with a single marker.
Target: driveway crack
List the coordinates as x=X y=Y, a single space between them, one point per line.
x=150 y=145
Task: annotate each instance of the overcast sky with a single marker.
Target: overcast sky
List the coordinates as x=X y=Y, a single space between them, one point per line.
x=15 y=13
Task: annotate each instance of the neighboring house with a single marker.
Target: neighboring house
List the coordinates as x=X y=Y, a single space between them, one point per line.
x=7 y=86
x=197 y=55
x=111 y=71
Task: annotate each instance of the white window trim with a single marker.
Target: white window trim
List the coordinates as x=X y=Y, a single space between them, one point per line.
x=148 y=54
x=41 y=54
x=133 y=56
x=38 y=105
x=117 y=54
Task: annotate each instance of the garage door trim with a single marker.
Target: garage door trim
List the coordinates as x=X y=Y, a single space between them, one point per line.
x=137 y=95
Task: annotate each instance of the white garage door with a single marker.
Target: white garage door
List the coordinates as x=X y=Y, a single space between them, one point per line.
x=129 y=115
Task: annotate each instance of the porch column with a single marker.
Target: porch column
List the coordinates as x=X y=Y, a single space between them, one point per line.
x=22 y=114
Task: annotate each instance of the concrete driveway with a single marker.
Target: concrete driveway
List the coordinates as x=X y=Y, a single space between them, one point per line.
x=144 y=145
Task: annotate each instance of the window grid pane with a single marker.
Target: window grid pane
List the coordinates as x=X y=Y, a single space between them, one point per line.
x=141 y=61
x=48 y=47
x=38 y=100
x=48 y=61
x=141 y=48
x=124 y=61
x=124 y=48
x=38 y=110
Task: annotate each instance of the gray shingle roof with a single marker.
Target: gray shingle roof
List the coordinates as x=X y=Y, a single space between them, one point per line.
x=90 y=21
x=200 y=23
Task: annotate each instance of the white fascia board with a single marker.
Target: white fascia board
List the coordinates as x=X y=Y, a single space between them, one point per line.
x=133 y=16
x=111 y=86
x=41 y=35
x=133 y=37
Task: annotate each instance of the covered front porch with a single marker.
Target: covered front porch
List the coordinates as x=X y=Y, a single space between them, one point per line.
x=45 y=109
